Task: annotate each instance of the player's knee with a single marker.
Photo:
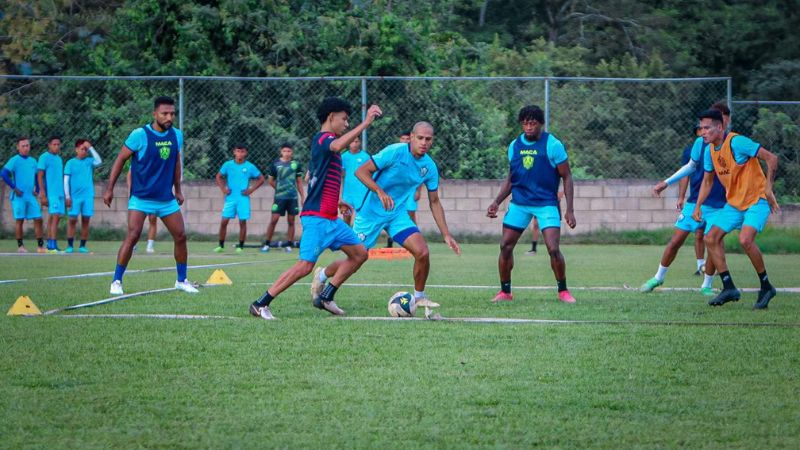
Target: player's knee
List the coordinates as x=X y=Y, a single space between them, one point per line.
x=360 y=256
x=747 y=242
x=423 y=254
x=303 y=268
x=710 y=240
x=554 y=252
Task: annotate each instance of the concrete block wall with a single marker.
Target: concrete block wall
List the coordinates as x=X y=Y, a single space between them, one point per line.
x=609 y=204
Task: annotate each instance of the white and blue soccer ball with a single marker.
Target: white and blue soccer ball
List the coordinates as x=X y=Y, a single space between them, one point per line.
x=402 y=304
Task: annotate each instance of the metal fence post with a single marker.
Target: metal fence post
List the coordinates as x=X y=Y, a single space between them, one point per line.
x=180 y=104
x=730 y=96
x=364 y=111
x=546 y=103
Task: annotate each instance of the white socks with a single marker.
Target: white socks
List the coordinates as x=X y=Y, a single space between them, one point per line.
x=322 y=277
x=708 y=280
x=419 y=294
x=662 y=272
x=700 y=263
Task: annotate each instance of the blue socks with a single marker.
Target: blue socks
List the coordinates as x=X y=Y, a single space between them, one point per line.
x=182 y=269
x=118 y=272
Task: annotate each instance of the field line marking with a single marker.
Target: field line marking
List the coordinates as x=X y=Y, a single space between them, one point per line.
x=148 y=316
x=535 y=288
x=501 y=320
x=113 y=299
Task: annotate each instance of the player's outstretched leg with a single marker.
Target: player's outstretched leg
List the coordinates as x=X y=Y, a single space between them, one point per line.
x=747 y=239
x=670 y=252
x=505 y=263
x=716 y=254
x=552 y=239
x=174 y=224
x=356 y=256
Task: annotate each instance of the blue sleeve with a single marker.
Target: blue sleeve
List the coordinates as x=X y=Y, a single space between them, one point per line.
x=432 y=179
x=179 y=137
x=6 y=174
x=510 y=153
x=42 y=164
x=137 y=141
x=697 y=150
x=255 y=172
x=224 y=169
x=556 y=152
x=744 y=148
x=387 y=156
x=708 y=165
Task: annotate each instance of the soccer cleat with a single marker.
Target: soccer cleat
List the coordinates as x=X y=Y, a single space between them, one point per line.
x=22 y=249
x=530 y=252
x=701 y=270
x=261 y=311
x=764 y=297
x=317 y=285
x=219 y=250
x=53 y=251
x=288 y=249
x=69 y=250
x=186 y=286
x=329 y=306
x=425 y=302
x=727 y=295
x=83 y=250
x=503 y=297
x=265 y=249
x=707 y=291
x=151 y=250
x=566 y=297
x=116 y=288
x=41 y=250
x=239 y=250
x=651 y=284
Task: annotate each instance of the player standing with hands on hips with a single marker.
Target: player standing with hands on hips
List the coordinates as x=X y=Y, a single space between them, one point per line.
x=155 y=172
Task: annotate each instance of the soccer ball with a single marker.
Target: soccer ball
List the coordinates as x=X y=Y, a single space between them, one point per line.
x=402 y=304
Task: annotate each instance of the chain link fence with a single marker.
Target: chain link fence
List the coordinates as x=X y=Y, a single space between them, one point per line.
x=612 y=128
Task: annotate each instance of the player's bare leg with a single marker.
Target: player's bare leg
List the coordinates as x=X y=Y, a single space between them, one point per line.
x=340 y=272
x=716 y=254
x=552 y=240
x=135 y=225
x=223 y=233
x=747 y=239
x=175 y=226
x=417 y=246
x=505 y=263
x=242 y=232
x=37 y=231
x=670 y=252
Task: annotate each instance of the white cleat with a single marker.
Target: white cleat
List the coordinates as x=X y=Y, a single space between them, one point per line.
x=186 y=286
x=116 y=288
x=151 y=250
x=261 y=311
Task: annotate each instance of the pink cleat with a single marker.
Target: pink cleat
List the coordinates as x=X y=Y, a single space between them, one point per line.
x=566 y=297
x=502 y=297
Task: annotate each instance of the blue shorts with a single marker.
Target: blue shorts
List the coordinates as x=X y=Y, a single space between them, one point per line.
x=320 y=233
x=411 y=204
x=729 y=218
x=236 y=206
x=519 y=217
x=685 y=221
x=25 y=207
x=83 y=206
x=369 y=226
x=160 y=209
x=55 y=205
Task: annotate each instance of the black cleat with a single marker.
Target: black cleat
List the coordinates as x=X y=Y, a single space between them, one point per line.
x=727 y=295
x=764 y=297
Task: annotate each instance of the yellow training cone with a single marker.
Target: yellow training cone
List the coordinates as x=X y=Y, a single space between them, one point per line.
x=24 y=307
x=219 y=277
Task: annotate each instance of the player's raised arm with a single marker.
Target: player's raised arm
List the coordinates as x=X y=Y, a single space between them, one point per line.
x=124 y=154
x=343 y=141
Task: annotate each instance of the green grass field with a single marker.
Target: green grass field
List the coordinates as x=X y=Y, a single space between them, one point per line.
x=656 y=370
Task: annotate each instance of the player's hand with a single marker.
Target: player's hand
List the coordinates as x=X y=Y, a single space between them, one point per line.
x=247 y=192
x=43 y=200
x=179 y=198
x=774 y=207
x=373 y=113
x=697 y=214
x=452 y=244
x=18 y=192
x=680 y=204
x=659 y=188
x=386 y=200
x=345 y=209
x=491 y=211
x=569 y=217
x=226 y=191
x=108 y=196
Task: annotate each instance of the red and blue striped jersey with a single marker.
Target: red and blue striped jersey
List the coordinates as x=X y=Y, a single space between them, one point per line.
x=326 y=178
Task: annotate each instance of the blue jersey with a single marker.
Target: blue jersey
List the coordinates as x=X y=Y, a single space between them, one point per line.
x=53 y=167
x=326 y=178
x=238 y=176
x=80 y=171
x=353 y=190
x=153 y=163
x=23 y=170
x=532 y=166
x=399 y=174
x=716 y=198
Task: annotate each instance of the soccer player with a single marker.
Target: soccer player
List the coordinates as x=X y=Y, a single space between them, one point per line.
x=537 y=163
x=19 y=174
x=353 y=190
x=155 y=172
x=51 y=180
x=237 y=190
x=286 y=177
x=400 y=169
x=735 y=161
x=79 y=191
x=321 y=226
x=685 y=225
